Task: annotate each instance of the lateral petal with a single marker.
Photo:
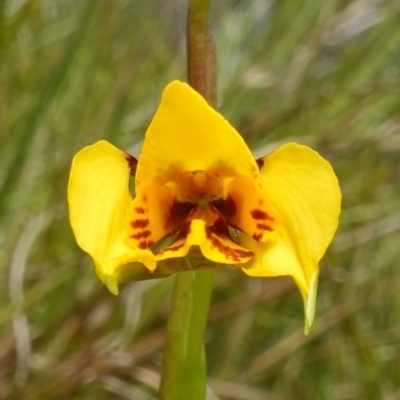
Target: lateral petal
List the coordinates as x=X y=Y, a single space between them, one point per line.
x=303 y=188
x=248 y=209
x=99 y=200
x=187 y=135
x=155 y=214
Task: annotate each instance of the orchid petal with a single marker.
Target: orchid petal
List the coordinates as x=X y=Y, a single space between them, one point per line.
x=187 y=135
x=155 y=214
x=248 y=209
x=99 y=201
x=304 y=190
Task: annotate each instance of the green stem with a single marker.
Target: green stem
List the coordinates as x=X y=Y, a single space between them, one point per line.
x=201 y=64
x=195 y=356
x=184 y=367
x=184 y=372
x=177 y=332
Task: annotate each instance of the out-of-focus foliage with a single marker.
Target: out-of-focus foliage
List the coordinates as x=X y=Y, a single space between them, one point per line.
x=323 y=73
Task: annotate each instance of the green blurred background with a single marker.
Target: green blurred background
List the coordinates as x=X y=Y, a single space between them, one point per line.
x=322 y=73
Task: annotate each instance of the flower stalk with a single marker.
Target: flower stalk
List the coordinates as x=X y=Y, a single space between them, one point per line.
x=184 y=366
x=201 y=57
x=184 y=372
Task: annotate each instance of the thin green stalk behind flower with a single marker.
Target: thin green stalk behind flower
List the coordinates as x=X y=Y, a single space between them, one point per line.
x=201 y=65
x=184 y=372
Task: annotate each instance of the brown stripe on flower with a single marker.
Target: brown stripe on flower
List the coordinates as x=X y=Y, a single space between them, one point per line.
x=132 y=162
x=140 y=210
x=264 y=227
x=141 y=235
x=261 y=229
x=145 y=244
x=220 y=229
x=260 y=215
x=236 y=255
x=139 y=223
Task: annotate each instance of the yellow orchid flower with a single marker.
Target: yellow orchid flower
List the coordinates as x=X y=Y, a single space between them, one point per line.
x=197 y=183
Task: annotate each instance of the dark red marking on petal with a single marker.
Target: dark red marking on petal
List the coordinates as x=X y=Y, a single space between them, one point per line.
x=236 y=255
x=227 y=207
x=260 y=214
x=183 y=231
x=132 y=162
x=141 y=235
x=260 y=163
x=264 y=227
x=257 y=236
x=145 y=244
x=144 y=198
x=220 y=228
x=140 y=210
x=139 y=223
x=177 y=214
